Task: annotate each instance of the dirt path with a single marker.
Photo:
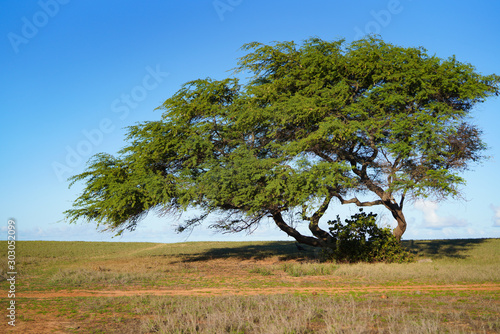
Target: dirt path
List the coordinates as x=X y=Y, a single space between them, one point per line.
x=262 y=291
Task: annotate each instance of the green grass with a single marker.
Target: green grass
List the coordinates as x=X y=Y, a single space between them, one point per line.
x=484 y=250
x=309 y=269
x=248 y=265
x=261 y=271
x=57 y=265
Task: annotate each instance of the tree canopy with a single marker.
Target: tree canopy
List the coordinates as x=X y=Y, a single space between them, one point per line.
x=316 y=124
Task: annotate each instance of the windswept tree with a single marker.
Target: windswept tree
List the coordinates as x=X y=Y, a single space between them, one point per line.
x=317 y=124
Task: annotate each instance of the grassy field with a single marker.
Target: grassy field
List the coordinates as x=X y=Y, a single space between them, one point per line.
x=248 y=287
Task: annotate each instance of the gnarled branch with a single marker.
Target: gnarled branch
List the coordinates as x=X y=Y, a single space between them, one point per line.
x=357 y=201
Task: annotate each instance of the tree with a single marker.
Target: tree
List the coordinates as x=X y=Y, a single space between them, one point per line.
x=317 y=124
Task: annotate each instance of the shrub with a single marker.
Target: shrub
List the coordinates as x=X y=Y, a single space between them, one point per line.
x=360 y=239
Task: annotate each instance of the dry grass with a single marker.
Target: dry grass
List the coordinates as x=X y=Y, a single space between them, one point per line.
x=426 y=312
x=277 y=268
x=70 y=265
x=319 y=314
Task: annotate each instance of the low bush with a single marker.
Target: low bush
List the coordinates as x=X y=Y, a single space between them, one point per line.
x=360 y=239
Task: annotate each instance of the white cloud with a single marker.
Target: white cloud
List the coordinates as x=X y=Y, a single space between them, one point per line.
x=496 y=216
x=432 y=220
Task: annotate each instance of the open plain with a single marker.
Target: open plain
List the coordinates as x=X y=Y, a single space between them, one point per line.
x=246 y=287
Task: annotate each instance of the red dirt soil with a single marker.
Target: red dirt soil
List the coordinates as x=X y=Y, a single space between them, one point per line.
x=263 y=291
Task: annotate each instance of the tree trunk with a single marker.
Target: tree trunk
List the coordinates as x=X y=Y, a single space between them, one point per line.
x=311 y=241
x=401 y=220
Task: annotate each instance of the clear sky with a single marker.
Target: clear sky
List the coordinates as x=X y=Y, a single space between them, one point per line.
x=74 y=74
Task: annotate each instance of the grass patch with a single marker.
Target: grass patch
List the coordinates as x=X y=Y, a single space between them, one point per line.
x=309 y=269
x=262 y=271
x=279 y=314
x=237 y=266
x=90 y=278
x=62 y=265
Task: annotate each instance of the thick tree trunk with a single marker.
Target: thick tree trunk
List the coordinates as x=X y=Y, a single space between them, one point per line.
x=401 y=220
x=322 y=238
x=311 y=241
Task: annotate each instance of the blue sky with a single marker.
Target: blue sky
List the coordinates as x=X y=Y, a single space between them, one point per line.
x=74 y=74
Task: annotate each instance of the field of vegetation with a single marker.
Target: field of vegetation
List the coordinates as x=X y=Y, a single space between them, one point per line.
x=247 y=287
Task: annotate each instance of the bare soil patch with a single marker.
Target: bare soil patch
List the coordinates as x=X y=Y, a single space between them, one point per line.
x=256 y=291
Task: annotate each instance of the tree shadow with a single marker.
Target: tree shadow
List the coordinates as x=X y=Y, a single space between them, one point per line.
x=438 y=249
x=285 y=250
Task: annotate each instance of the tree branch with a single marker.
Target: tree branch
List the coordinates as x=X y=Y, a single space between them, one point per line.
x=314 y=220
x=357 y=201
x=323 y=156
x=402 y=200
x=311 y=241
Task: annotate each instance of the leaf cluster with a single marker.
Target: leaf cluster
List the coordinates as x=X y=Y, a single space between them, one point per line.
x=315 y=121
x=360 y=239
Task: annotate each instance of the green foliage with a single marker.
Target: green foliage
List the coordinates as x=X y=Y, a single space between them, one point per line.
x=360 y=239
x=315 y=121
